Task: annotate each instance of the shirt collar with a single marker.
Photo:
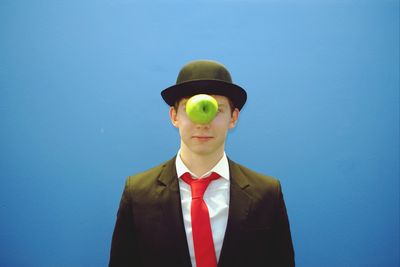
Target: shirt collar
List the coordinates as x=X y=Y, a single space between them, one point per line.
x=222 y=167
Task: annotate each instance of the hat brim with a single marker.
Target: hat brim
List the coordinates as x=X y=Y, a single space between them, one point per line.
x=212 y=87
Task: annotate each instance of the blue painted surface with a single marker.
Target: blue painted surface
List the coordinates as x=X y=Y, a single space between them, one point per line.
x=80 y=110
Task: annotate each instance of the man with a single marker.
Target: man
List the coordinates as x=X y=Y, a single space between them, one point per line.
x=238 y=219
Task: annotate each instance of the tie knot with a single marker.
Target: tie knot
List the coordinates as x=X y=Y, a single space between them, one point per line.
x=199 y=186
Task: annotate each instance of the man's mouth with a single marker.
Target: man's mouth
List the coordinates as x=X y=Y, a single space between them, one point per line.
x=202 y=138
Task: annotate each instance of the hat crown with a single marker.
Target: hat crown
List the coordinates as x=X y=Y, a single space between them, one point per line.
x=204 y=77
x=204 y=70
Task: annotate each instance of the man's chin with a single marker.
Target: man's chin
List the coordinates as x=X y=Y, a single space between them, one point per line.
x=204 y=151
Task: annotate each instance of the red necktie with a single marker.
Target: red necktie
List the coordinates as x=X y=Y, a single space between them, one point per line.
x=204 y=250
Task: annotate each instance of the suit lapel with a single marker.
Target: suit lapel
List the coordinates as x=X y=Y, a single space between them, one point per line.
x=170 y=200
x=239 y=206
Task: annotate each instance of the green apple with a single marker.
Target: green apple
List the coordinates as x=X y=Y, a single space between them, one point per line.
x=201 y=108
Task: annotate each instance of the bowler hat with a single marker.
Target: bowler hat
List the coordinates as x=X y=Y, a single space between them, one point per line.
x=204 y=77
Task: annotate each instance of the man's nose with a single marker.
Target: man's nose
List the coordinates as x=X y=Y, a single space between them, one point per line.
x=203 y=126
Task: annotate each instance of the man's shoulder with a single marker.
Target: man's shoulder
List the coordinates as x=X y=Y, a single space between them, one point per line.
x=253 y=177
x=150 y=176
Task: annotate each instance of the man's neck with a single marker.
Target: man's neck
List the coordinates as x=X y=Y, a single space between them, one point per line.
x=200 y=164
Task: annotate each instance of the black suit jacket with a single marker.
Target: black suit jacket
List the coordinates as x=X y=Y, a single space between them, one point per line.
x=149 y=230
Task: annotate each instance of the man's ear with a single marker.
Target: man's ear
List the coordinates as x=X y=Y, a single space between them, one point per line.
x=234 y=118
x=173 y=116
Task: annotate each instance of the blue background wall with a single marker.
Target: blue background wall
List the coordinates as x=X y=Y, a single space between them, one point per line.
x=80 y=110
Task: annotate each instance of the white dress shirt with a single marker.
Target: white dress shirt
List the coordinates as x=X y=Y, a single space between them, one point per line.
x=216 y=197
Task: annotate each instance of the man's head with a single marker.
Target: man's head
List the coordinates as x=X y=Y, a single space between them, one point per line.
x=204 y=77
x=208 y=138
